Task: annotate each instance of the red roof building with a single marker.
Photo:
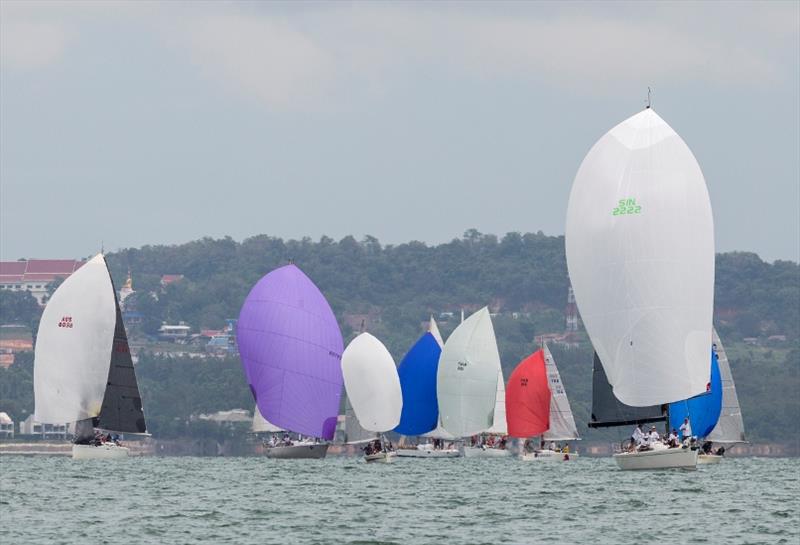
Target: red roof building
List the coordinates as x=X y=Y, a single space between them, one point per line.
x=33 y=275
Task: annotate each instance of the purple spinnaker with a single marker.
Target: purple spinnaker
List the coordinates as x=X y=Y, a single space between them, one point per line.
x=291 y=349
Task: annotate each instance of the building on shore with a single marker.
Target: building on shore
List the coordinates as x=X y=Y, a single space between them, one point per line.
x=31 y=426
x=33 y=275
x=6 y=426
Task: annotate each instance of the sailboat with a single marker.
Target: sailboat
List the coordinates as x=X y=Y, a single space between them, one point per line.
x=729 y=429
x=373 y=389
x=420 y=414
x=290 y=345
x=467 y=382
x=537 y=405
x=83 y=371
x=640 y=254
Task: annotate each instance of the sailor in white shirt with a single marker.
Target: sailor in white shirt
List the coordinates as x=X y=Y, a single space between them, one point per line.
x=686 y=430
x=654 y=437
x=638 y=435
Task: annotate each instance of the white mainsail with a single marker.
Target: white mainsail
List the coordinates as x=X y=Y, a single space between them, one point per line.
x=730 y=427
x=433 y=329
x=439 y=432
x=73 y=346
x=640 y=253
x=262 y=425
x=466 y=381
x=372 y=383
x=562 y=423
x=499 y=424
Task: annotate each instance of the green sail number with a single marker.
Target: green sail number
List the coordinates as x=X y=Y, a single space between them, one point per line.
x=626 y=206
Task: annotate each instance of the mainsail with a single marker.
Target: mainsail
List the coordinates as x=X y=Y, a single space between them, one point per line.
x=528 y=398
x=83 y=369
x=609 y=411
x=417 y=372
x=466 y=382
x=499 y=423
x=291 y=346
x=562 y=423
x=353 y=432
x=372 y=384
x=640 y=253
x=730 y=428
x=702 y=411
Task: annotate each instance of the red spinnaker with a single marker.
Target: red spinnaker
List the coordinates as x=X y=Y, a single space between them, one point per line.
x=528 y=398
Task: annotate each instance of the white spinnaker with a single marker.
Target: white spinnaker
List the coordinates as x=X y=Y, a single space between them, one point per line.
x=262 y=425
x=644 y=278
x=730 y=427
x=372 y=383
x=499 y=424
x=73 y=346
x=562 y=423
x=466 y=381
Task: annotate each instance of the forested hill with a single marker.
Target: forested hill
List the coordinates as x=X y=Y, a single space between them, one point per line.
x=395 y=288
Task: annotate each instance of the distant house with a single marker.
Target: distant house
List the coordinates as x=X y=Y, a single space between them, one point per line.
x=6 y=426
x=30 y=426
x=175 y=333
x=224 y=417
x=168 y=279
x=34 y=275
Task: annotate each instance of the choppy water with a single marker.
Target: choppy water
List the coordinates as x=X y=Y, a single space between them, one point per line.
x=342 y=500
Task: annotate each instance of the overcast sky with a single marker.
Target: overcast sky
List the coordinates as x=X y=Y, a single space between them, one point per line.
x=148 y=123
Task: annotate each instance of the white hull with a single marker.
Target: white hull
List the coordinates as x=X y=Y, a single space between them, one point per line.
x=298 y=451
x=427 y=453
x=548 y=456
x=380 y=457
x=662 y=458
x=481 y=452
x=106 y=451
x=709 y=458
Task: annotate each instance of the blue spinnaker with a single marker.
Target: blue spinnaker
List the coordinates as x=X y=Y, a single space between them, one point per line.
x=703 y=411
x=417 y=373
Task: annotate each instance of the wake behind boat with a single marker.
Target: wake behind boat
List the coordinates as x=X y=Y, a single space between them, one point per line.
x=83 y=371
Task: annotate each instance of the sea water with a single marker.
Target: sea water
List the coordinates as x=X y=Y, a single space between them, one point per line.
x=52 y=500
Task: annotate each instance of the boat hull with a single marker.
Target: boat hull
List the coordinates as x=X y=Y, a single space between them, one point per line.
x=480 y=452
x=106 y=451
x=548 y=456
x=667 y=458
x=427 y=453
x=380 y=457
x=299 y=451
x=709 y=458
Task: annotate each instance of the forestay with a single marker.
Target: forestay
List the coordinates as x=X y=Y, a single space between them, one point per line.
x=372 y=384
x=466 y=383
x=291 y=346
x=640 y=253
x=730 y=428
x=73 y=346
x=562 y=424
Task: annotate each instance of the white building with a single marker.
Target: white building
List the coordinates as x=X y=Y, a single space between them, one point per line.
x=30 y=426
x=6 y=426
x=34 y=275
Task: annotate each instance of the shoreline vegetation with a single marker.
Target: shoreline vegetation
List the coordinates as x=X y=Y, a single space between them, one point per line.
x=393 y=290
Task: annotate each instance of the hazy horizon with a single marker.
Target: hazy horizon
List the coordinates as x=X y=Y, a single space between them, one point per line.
x=129 y=124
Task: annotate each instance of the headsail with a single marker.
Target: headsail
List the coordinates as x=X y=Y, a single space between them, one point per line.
x=562 y=423
x=466 y=382
x=417 y=372
x=291 y=346
x=262 y=425
x=74 y=346
x=499 y=423
x=609 y=411
x=702 y=411
x=730 y=428
x=640 y=252
x=528 y=398
x=372 y=384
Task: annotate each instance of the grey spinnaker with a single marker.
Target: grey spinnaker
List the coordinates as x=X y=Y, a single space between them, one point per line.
x=608 y=411
x=122 y=404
